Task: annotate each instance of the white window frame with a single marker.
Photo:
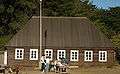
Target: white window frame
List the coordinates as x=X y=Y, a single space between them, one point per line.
x=61 y=51
x=72 y=55
x=33 y=54
x=48 y=54
x=87 y=56
x=101 y=59
x=18 y=53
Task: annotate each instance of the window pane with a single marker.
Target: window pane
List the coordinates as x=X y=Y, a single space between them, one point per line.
x=34 y=54
x=20 y=56
x=103 y=54
x=20 y=53
x=17 y=51
x=86 y=53
x=89 y=55
x=31 y=52
x=49 y=52
x=17 y=56
x=87 y=58
x=75 y=57
x=72 y=52
x=46 y=54
x=72 y=56
x=31 y=56
x=76 y=53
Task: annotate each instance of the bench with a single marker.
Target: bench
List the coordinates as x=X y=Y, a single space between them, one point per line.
x=63 y=70
x=2 y=68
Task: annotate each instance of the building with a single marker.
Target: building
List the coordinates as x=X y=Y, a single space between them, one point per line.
x=74 y=38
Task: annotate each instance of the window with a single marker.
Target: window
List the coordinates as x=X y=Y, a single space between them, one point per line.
x=102 y=56
x=19 y=52
x=74 y=55
x=33 y=54
x=88 y=56
x=61 y=54
x=49 y=52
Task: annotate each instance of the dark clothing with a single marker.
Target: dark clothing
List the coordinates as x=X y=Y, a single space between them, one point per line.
x=51 y=66
x=57 y=68
x=43 y=67
x=65 y=61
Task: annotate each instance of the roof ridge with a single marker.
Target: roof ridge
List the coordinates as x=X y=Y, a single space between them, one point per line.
x=58 y=17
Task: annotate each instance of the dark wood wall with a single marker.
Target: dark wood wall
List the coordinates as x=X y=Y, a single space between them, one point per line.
x=28 y=63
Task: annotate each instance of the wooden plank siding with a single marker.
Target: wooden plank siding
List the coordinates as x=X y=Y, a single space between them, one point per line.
x=1 y=57
x=26 y=62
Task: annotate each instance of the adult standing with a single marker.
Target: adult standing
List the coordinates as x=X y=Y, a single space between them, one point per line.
x=47 y=63
x=43 y=63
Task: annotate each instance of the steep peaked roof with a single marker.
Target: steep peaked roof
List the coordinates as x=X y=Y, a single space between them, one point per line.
x=60 y=32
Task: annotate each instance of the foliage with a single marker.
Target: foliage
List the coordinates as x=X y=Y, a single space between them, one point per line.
x=111 y=18
x=4 y=39
x=116 y=40
x=67 y=7
x=102 y=27
x=15 y=13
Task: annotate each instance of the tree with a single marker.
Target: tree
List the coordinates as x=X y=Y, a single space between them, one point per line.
x=14 y=14
x=67 y=8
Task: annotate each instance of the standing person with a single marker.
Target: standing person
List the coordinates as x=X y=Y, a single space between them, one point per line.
x=43 y=63
x=47 y=63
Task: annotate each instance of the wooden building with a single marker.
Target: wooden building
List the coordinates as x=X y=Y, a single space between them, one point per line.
x=74 y=38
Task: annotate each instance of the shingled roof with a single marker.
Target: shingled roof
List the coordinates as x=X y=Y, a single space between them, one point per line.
x=61 y=32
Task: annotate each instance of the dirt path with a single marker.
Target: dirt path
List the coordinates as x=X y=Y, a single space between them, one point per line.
x=93 y=70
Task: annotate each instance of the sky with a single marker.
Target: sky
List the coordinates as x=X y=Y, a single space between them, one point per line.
x=105 y=4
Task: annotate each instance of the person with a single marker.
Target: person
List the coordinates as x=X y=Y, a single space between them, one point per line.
x=43 y=63
x=64 y=61
x=51 y=66
x=47 y=63
x=58 y=65
x=55 y=65
x=17 y=70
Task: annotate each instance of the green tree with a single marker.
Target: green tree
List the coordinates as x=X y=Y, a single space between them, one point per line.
x=13 y=14
x=67 y=8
